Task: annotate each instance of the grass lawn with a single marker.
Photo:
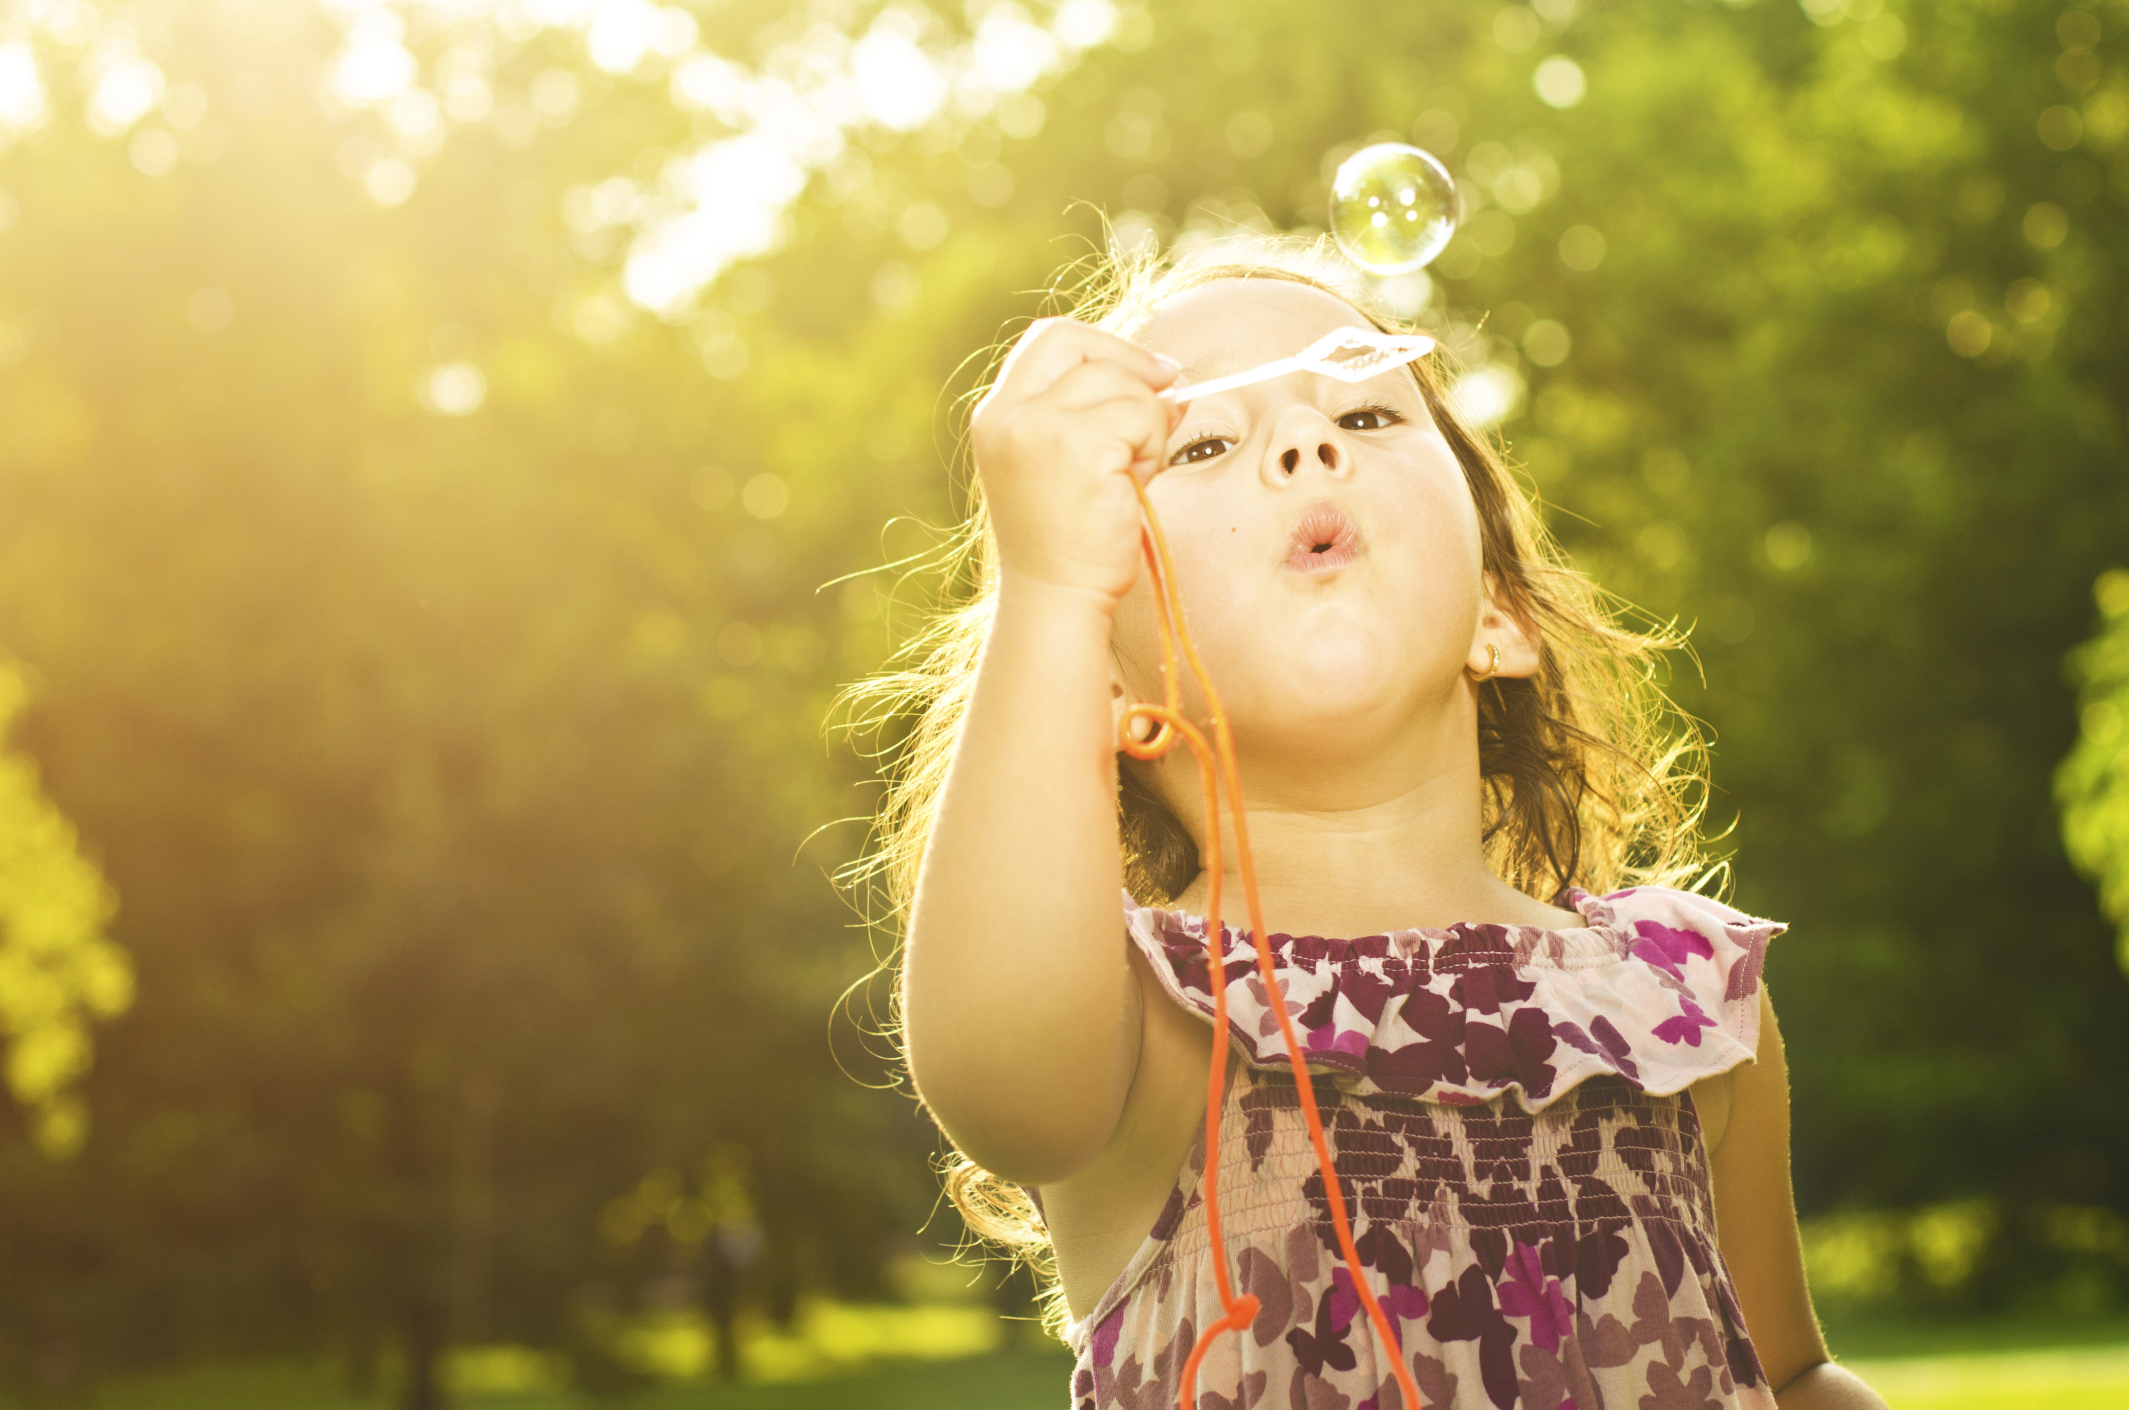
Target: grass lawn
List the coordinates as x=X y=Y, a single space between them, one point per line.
x=1915 y=1365
x=1022 y=1382
x=990 y=1382
x=2063 y=1378
x=2022 y=1363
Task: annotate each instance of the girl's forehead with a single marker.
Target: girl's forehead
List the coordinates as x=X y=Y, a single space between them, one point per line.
x=1247 y=319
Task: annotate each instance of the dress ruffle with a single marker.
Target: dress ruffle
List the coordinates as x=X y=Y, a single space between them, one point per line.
x=1660 y=988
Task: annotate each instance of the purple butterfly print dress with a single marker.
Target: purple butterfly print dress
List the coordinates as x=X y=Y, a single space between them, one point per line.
x=1507 y=1108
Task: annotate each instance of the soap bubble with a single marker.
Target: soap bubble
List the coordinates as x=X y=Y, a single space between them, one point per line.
x=1393 y=208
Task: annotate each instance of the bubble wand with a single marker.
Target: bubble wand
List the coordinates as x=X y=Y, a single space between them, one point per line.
x=1393 y=208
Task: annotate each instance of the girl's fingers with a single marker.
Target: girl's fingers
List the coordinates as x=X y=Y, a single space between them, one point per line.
x=1055 y=346
x=1122 y=407
x=1091 y=384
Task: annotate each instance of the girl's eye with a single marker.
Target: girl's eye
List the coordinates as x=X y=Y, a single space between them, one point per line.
x=1369 y=418
x=1203 y=448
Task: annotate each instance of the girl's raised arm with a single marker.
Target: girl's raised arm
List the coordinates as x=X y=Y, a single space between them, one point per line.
x=1019 y=1006
x=1755 y=1219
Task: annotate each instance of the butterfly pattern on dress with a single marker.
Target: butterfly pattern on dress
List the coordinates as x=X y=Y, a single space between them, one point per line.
x=1510 y=1126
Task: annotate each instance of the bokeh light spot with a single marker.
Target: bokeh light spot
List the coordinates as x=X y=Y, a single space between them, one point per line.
x=1085 y=23
x=624 y=33
x=1788 y=546
x=895 y=287
x=22 y=103
x=601 y=319
x=1516 y=29
x=1406 y=294
x=1662 y=545
x=739 y=644
x=554 y=95
x=2111 y=591
x=375 y=66
x=1009 y=52
x=2060 y=128
x=389 y=183
x=991 y=187
x=124 y=94
x=2046 y=225
x=922 y=225
x=153 y=152
x=1582 y=248
x=1968 y=333
x=766 y=496
x=453 y=389
x=1884 y=37
x=1559 y=82
x=1487 y=396
x=417 y=116
x=185 y=106
x=1547 y=343
x=1021 y=116
x=2028 y=300
x=898 y=84
x=1518 y=190
x=1731 y=620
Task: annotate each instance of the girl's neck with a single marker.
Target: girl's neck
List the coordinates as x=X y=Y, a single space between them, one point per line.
x=1370 y=862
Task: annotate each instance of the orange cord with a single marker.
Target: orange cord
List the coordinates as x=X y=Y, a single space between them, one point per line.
x=1216 y=765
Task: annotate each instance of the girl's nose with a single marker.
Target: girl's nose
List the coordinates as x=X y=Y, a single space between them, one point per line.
x=1305 y=440
x=1327 y=455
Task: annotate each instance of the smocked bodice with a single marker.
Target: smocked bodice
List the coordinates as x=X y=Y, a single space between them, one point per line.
x=1508 y=1115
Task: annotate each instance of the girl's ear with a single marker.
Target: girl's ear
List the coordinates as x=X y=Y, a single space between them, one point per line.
x=1506 y=643
x=1120 y=701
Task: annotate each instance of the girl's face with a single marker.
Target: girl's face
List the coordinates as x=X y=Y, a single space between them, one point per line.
x=1325 y=542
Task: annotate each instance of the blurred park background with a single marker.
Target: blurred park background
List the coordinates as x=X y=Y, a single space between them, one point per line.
x=442 y=446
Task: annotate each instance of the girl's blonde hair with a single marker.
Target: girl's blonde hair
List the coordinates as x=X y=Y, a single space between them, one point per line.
x=1591 y=777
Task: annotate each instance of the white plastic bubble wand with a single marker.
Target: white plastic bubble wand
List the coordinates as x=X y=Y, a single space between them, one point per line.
x=1350 y=355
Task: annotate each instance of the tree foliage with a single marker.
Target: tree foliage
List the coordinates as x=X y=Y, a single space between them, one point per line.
x=58 y=971
x=2093 y=783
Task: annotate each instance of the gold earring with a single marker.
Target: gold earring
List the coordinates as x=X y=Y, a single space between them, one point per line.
x=1493 y=664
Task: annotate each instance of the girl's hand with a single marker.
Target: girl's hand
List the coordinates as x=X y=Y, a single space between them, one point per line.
x=1071 y=418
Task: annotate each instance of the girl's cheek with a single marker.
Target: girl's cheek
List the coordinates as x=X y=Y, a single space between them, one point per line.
x=1133 y=643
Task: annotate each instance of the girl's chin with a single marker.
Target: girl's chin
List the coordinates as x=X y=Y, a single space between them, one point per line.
x=1338 y=654
x=1329 y=669
x=1339 y=678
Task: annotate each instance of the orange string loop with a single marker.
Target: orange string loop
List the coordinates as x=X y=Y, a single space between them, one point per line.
x=1217 y=767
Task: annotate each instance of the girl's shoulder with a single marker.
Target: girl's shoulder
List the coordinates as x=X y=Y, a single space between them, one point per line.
x=1659 y=987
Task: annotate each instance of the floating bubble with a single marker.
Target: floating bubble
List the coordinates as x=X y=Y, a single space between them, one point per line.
x=1393 y=208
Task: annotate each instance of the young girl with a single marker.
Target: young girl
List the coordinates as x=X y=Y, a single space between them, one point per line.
x=1552 y=1085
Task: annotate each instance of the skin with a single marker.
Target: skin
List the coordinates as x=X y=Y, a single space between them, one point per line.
x=1046 y=1048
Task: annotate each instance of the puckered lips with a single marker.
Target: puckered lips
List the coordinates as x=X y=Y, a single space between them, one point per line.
x=1326 y=538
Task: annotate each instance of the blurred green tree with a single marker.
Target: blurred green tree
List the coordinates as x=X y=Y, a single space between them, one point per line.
x=2093 y=784
x=455 y=766
x=58 y=971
